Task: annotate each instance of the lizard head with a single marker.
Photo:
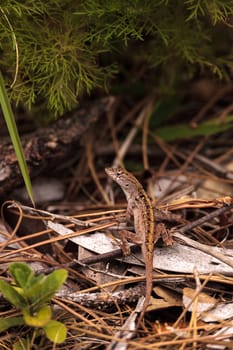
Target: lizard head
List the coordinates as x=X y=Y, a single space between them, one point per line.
x=124 y=179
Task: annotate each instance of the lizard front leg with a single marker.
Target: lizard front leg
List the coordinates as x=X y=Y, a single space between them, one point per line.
x=126 y=236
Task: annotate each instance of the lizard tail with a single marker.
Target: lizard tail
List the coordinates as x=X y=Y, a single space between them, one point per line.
x=149 y=286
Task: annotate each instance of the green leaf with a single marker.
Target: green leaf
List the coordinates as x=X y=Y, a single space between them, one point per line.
x=22 y=273
x=45 y=289
x=14 y=135
x=55 y=331
x=40 y=318
x=6 y=323
x=12 y=295
x=54 y=281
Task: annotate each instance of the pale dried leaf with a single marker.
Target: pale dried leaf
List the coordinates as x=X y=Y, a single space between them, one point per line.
x=177 y=258
x=166 y=299
x=204 y=301
x=180 y=258
x=222 y=311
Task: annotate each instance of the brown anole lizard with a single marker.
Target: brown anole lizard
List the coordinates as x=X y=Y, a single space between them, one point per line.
x=140 y=207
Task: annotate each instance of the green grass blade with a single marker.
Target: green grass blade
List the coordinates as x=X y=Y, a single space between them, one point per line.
x=14 y=135
x=184 y=131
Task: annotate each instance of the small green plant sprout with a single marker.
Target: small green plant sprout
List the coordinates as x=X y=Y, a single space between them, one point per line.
x=32 y=295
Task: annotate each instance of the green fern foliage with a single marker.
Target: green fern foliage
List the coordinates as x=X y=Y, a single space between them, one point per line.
x=55 y=51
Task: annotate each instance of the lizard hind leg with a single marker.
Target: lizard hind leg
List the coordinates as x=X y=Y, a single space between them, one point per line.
x=161 y=231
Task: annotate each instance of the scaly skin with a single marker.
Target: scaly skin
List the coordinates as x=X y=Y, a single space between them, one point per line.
x=140 y=207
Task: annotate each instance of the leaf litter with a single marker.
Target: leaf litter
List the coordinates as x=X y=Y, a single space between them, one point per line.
x=191 y=304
